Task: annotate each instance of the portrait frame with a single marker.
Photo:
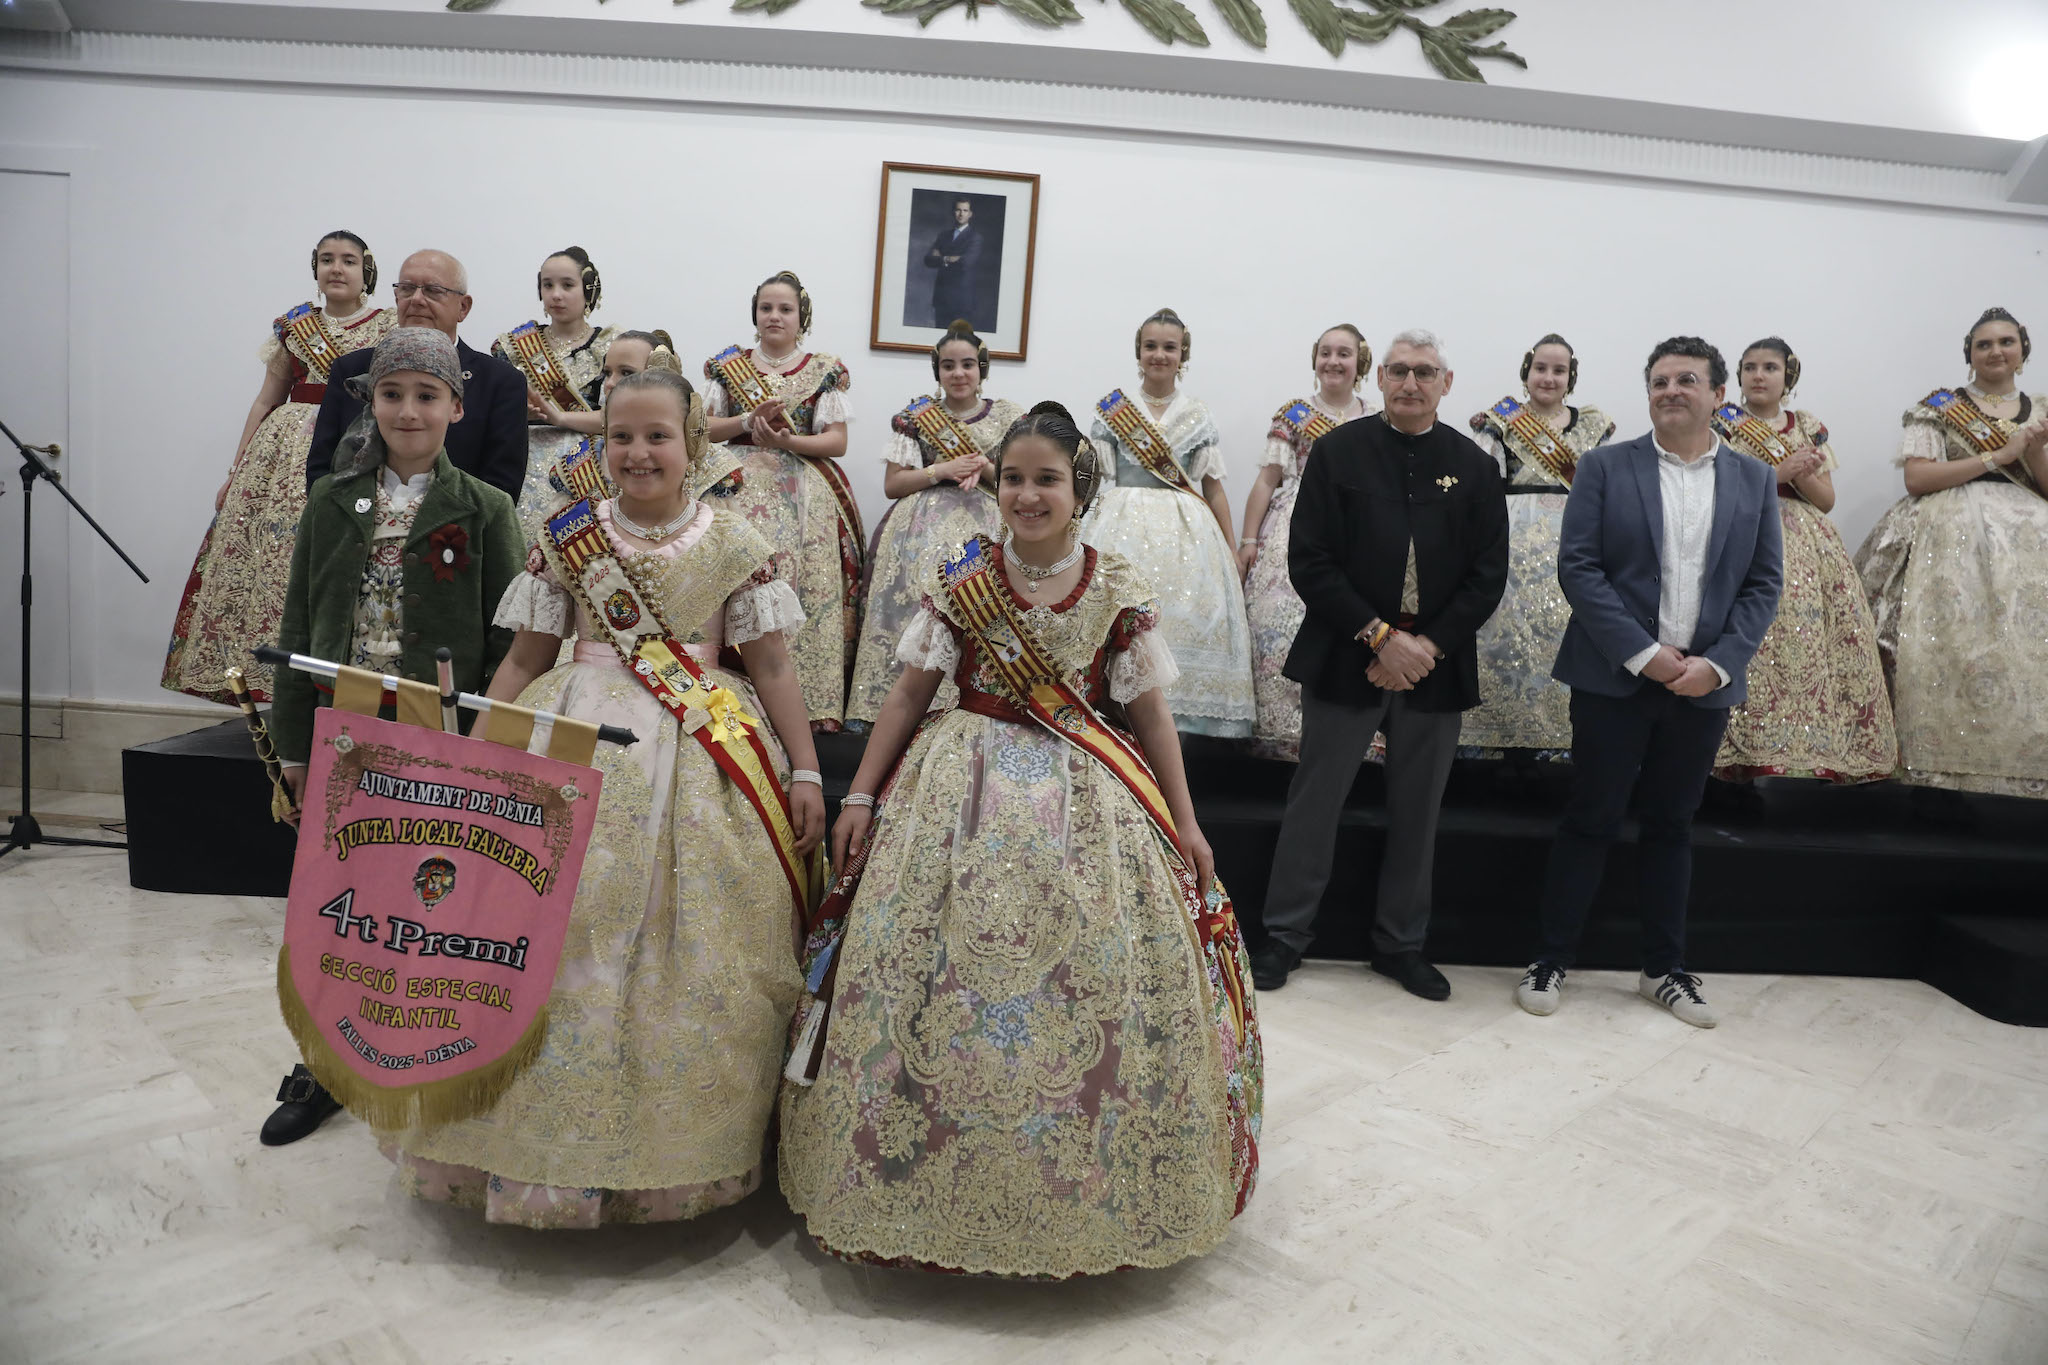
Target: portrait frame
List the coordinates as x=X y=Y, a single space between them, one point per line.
x=988 y=281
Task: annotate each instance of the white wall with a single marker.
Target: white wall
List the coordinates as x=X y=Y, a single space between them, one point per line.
x=198 y=206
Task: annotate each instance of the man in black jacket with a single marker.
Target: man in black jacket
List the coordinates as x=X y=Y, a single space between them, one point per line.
x=490 y=440
x=1399 y=549
x=956 y=254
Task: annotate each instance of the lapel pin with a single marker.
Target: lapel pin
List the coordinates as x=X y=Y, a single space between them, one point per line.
x=1446 y=481
x=362 y=504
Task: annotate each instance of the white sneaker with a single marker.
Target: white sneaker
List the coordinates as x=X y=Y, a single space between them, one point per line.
x=1541 y=988
x=1679 y=993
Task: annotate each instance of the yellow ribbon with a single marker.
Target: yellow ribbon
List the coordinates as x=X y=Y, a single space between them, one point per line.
x=727 y=714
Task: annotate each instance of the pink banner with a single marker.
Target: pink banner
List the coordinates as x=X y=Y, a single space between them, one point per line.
x=429 y=902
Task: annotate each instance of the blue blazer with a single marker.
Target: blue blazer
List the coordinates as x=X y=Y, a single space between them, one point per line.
x=1610 y=558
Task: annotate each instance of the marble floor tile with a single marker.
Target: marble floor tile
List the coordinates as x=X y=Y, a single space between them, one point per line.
x=1844 y=1171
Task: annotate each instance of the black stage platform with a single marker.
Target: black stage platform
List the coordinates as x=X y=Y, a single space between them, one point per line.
x=1827 y=881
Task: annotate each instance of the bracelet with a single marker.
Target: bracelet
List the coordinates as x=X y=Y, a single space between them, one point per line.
x=857 y=799
x=1379 y=637
x=931 y=474
x=1243 y=541
x=797 y=775
x=1989 y=463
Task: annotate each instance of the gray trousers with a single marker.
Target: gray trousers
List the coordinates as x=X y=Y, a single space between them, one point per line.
x=1334 y=741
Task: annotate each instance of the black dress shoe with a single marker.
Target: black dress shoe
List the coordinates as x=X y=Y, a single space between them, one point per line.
x=303 y=1106
x=1416 y=976
x=1272 y=963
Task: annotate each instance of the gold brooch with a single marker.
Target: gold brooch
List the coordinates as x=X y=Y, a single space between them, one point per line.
x=1446 y=481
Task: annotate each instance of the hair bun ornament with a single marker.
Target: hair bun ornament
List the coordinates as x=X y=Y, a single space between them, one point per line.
x=662 y=358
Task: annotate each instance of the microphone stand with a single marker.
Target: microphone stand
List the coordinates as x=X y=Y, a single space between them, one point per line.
x=23 y=831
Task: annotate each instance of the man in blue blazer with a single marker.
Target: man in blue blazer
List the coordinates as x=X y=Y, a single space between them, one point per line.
x=1669 y=556
x=490 y=440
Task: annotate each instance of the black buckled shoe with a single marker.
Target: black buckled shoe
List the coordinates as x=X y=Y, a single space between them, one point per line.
x=1416 y=976
x=1271 y=964
x=303 y=1105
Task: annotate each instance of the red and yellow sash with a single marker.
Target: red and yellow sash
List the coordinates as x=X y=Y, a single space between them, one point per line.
x=1984 y=432
x=1142 y=437
x=981 y=601
x=749 y=389
x=322 y=346
x=711 y=713
x=1306 y=422
x=527 y=348
x=1750 y=435
x=1531 y=437
x=936 y=425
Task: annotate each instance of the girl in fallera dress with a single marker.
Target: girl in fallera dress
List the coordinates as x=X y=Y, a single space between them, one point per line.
x=715 y=474
x=1525 y=714
x=1164 y=510
x=1817 y=704
x=1040 y=1056
x=1340 y=359
x=563 y=361
x=785 y=410
x=651 y=1096
x=941 y=482
x=1955 y=574
x=234 y=596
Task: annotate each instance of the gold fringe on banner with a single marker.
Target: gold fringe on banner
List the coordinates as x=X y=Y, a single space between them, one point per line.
x=574 y=741
x=358 y=692
x=430 y=1104
x=419 y=704
x=511 y=726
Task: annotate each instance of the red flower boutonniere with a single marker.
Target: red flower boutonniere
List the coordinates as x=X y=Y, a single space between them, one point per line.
x=448 y=552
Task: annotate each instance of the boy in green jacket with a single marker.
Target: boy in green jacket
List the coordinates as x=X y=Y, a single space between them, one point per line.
x=399 y=553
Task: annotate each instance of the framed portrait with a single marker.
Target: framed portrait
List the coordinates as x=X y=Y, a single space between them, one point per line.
x=954 y=243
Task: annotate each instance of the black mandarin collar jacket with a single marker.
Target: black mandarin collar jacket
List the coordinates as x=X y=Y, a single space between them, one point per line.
x=1366 y=490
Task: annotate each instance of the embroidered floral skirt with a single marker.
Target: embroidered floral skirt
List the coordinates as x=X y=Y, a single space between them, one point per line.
x=1958 y=583
x=234 y=596
x=793 y=505
x=1521 y=705
x=652 y=1094
x=914 y=530
x=1817 y=704
x=1029 y=1068
x=1173 y=541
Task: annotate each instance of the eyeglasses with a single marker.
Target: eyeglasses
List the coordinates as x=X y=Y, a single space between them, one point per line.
x=1687 y=379
x=434 y=292
x=1423 y=373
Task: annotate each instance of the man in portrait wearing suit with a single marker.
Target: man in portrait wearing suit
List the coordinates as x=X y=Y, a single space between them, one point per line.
x=490 y=441
x=955 y=253
x=1399 y=549
x=1669 y=556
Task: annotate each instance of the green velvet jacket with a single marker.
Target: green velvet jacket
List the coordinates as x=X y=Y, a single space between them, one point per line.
x=327 y=577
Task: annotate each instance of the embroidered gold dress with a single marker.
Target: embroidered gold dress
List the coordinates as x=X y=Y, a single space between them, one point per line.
x=1273 y=607
x=1172 y=541
x=234 y=596
x=1817 y=702
x=652 y=1094
x=1024 y=1070
x=1958 y=582
x=583 y=363
x=791 y=500
x=1521 y=705
x=915 y=529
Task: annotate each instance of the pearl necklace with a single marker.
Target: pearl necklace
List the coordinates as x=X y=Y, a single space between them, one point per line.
x=654 y=533
x=1033 y=575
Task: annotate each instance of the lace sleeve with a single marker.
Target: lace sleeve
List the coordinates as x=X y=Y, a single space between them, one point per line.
x=903 y=450
x=1490 y=442
x=1105 y=455
x=715 y=404
x=1143 y=664
x=537 y=604
x=928 y=642
x=1279 y=453
x=833 y=406
x=1922 y=441
x=759 y=608
x=1206 y=462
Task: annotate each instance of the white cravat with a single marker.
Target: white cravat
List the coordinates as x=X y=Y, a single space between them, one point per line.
x=1686 y=489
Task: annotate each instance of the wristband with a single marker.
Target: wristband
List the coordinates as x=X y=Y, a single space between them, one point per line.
x=1378 y=637
x=857 y=799
x=1989 y=463
x=797 y=775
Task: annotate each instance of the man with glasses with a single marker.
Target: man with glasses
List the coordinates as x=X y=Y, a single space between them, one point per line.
x=1399 y=549
x=1669 y=556
x=490 y=440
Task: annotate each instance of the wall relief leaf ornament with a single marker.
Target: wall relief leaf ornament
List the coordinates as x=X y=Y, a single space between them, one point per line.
x=1452 y=47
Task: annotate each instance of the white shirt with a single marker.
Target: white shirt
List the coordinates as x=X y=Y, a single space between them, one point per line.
x=1686 y=489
